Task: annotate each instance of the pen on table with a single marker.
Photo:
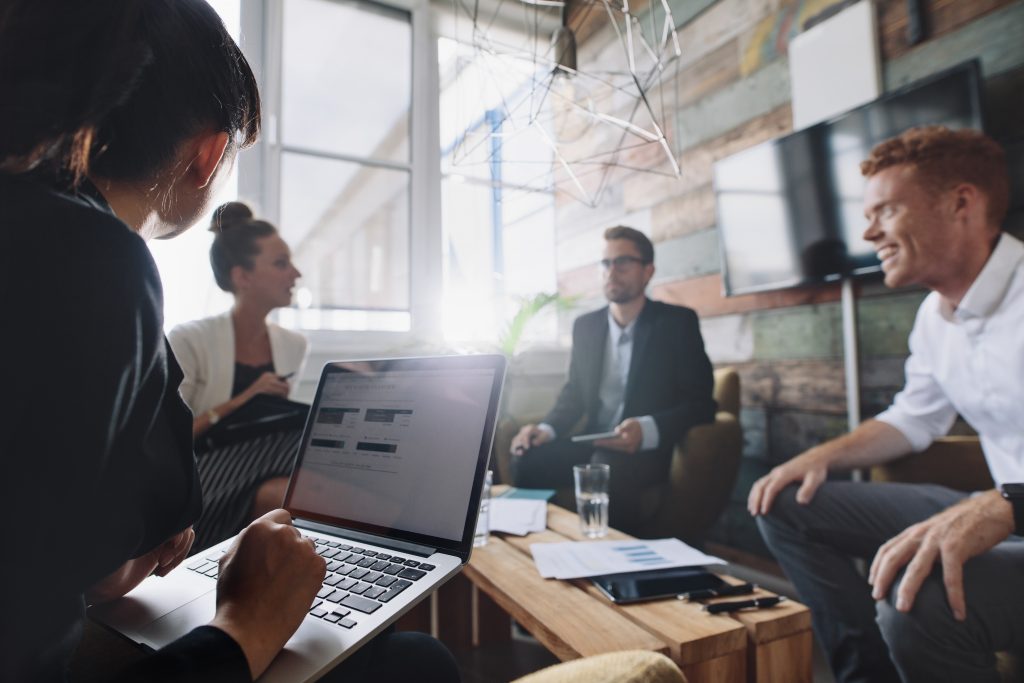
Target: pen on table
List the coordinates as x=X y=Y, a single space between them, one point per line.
x=704 y=594
x=736 y=605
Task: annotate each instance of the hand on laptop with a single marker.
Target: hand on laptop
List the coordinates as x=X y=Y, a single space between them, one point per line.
x=159 y=561
x=268 y=579
x=173 y=551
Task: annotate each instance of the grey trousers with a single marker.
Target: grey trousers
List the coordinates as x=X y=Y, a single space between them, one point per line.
x=865 y=641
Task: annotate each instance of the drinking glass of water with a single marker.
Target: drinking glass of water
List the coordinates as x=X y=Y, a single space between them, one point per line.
x=483 y=522
x=592 y=498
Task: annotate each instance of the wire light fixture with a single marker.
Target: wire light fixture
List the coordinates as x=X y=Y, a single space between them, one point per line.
x=580 y=126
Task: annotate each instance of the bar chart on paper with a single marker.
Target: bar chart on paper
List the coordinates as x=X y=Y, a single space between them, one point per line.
x=577 y=559
x=639 y=554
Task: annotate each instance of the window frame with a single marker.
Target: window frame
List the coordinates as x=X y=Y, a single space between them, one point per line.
x=259 y=172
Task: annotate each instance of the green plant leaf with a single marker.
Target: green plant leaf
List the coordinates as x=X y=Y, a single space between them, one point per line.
x=528 y=309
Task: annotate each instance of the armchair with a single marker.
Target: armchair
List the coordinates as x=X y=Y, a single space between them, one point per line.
x=953 y=461
x=704 y=468
x=702 y=474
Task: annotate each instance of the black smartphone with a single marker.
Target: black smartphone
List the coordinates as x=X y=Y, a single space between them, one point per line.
x=655 y=584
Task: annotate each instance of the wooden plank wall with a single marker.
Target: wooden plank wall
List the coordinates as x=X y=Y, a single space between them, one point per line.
x=731 y=92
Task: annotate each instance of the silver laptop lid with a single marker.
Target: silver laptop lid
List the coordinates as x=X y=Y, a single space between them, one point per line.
x=399 y=447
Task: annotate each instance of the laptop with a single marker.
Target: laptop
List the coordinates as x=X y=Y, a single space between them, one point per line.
x=386 y=481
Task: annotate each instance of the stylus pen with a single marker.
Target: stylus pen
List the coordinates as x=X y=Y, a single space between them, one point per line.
x=705 y=593
x=284 y=377
x=737 y=605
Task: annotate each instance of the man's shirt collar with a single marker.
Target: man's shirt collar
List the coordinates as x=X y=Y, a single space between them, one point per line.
x=616 y=332
x=988 y=289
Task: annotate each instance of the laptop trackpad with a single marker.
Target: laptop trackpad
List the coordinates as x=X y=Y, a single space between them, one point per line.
x=152 y=599
x=169 y=627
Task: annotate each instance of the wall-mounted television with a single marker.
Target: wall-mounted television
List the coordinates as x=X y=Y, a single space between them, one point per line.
x=789 y=210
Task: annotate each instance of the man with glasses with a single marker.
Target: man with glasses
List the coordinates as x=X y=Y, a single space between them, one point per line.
x=638 y=369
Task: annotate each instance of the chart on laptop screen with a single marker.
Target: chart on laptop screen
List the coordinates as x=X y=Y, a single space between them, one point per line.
x=396 y=449
x=361 y=438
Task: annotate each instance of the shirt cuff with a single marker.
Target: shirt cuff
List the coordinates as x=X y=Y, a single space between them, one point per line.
x=549 y=430
x=650 y=431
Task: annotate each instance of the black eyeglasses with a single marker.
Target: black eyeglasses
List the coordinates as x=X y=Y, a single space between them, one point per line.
x=620 y=262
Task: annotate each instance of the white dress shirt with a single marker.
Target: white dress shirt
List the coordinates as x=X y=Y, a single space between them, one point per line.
x=618 y=354
x=971 y=361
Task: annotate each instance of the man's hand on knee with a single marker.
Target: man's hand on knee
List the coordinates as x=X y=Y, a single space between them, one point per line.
x=951 y=537
x=869 y=444
x=804 y=468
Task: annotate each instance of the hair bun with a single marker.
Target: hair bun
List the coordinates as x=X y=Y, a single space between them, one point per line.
x=230 y=215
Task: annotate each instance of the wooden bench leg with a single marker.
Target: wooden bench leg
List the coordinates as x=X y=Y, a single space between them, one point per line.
x=788 y=659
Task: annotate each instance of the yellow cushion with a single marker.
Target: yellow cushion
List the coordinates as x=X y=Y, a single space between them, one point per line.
x=629 y=666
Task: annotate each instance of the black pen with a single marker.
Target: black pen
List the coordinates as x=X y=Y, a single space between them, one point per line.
x=736 y=605
x=704 y=594
x=285 y=377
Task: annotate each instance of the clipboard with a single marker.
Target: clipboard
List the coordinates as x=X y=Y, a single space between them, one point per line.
x=262 y=415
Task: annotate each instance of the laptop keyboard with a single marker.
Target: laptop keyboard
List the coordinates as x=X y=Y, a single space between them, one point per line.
x=358 y=581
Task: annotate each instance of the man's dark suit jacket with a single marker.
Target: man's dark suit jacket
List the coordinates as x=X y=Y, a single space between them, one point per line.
x=669 y=377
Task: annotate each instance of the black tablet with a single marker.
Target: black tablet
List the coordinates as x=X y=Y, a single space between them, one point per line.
x=655 y=584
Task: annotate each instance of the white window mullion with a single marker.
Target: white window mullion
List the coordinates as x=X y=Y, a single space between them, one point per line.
x=426 y=244
x=258 y=167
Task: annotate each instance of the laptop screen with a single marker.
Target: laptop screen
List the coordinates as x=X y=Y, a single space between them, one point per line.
x=399 y=447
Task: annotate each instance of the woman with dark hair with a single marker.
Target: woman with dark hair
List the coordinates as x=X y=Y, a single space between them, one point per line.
x=232 y=358
x=119 y=120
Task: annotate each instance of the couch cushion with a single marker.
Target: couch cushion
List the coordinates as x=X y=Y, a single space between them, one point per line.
x=630 y=666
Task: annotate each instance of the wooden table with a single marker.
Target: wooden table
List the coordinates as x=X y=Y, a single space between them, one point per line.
x=573 y=619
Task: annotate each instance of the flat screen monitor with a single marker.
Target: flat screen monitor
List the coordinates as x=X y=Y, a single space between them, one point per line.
x=789 y=210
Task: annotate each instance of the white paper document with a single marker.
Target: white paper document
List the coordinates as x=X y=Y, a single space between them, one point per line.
x=518 y=516
x=576 y=559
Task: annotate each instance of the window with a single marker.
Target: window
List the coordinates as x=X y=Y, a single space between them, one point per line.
x=498 y=210
x=344 y=165
x=349 y=168
x=345 y=161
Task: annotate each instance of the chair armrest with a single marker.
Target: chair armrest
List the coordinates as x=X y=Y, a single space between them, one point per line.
x=953 y=461
x=701 y=479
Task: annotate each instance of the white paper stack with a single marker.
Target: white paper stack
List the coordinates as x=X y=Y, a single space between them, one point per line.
x=518 y=516
x=577 y=559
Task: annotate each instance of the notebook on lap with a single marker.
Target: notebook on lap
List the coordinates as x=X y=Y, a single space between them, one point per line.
x=386 y=481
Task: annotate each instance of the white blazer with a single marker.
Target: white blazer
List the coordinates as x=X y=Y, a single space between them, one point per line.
x=205 y=349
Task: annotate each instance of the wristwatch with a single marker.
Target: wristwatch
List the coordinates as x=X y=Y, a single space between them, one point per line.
x=212 y=417
x=1014 y=493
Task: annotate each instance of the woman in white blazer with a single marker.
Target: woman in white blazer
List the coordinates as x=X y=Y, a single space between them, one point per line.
x=231 y=358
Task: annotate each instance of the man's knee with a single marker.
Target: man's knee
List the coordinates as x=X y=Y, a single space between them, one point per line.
x=527 y=467
x=919 y=632
x=548 y=465
x=783 y=515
